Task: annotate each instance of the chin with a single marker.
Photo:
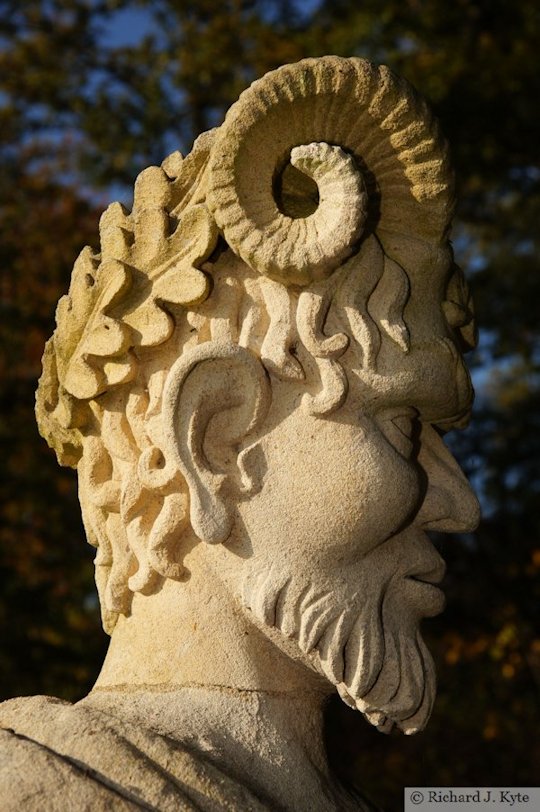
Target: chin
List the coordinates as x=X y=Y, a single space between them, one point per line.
x=366 y=641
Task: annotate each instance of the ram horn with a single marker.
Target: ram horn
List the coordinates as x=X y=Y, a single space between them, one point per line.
x=317 y=154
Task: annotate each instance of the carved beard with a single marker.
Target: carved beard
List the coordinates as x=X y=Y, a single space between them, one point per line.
x=366 y=643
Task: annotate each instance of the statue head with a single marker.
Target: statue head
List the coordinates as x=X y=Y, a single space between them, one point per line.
x=262 y=358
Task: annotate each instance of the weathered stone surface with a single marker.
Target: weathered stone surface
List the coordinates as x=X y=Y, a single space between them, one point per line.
x=251 y=379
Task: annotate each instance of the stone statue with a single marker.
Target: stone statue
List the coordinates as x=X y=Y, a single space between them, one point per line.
x=252 y=379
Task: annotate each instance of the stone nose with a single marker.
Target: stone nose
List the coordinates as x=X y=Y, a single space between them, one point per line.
x=450 y=505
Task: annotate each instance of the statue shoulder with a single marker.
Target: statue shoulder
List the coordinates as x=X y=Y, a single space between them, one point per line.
x=37 y=770
x=59 y=756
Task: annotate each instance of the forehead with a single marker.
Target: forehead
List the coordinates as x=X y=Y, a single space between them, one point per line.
x=431 y=378
x=427 y=372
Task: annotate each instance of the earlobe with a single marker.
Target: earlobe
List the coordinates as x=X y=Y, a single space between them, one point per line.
x=212 y=379
x=211 y=518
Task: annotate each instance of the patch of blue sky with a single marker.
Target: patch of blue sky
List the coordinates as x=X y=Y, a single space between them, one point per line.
x=525 y=247
x=407 y=45
x=466 y=250
x=485 y=368
x=525 y=173
x=121 y=193
x=302 y=9
x=127 y=27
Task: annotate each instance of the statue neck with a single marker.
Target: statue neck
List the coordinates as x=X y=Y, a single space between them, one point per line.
x=212 y=680
x=196 y=633
x=272 y=742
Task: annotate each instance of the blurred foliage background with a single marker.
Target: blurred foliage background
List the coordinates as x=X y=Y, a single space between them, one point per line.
x=91 y=92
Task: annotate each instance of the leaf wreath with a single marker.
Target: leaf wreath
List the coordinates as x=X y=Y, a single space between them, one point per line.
x=119 y=300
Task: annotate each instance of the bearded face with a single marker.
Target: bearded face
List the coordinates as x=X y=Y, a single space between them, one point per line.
x=345 y=568
x=361 y=638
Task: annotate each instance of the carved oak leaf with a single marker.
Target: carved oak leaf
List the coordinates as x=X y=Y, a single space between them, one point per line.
x=175 y=280
x=94 y=351
x=59 y=414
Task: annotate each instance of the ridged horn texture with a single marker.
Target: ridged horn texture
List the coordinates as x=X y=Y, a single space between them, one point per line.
x=364 y=137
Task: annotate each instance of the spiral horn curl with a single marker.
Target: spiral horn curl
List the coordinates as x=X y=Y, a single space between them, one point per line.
x=365 y=139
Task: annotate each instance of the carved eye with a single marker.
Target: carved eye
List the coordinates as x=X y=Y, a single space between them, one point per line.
x=399 y=429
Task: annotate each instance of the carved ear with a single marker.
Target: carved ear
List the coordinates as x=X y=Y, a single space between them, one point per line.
x=215 y=396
